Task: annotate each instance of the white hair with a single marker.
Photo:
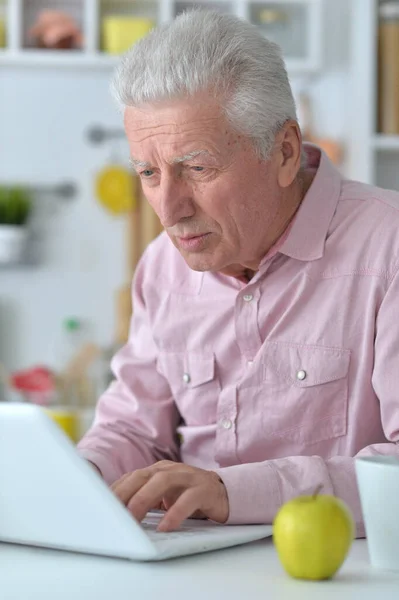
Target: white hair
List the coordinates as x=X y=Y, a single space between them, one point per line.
x=207 y=51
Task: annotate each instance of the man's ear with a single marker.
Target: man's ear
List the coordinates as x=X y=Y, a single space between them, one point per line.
x=289 y=147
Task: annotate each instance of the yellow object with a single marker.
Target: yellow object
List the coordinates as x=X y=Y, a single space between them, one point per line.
x=120 y=33
x=312 y=535
x=67 y=419
x=272 y=15
x=2 y=33
x=115 y=189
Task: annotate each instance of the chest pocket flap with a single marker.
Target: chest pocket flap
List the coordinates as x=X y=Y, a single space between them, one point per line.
x=193 y=380
x=306 y=366
x=186 y=369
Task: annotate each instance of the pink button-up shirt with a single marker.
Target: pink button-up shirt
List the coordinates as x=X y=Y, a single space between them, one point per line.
x=276 y=384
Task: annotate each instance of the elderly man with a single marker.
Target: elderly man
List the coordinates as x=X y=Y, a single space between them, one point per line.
x=264 y=347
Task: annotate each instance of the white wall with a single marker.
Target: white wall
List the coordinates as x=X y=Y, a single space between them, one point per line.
x=44 y=114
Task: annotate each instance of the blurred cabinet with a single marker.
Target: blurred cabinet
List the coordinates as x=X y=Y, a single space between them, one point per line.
x=294 y=24
x=374 y=93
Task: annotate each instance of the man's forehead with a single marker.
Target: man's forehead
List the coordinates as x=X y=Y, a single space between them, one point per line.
x=185 y=110
x=169 y=121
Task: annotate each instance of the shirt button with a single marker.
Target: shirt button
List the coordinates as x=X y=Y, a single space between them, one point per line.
x=301 y=375
x=226 y=424
x=186 y=378
x=250 y=362
x=248 y=297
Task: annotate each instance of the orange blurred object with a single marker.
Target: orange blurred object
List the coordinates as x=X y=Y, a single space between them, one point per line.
x=56 y=30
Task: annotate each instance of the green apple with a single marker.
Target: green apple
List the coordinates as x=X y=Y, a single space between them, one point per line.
x=312 y=535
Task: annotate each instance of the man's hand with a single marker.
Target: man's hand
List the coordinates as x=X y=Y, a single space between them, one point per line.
x=181 y=490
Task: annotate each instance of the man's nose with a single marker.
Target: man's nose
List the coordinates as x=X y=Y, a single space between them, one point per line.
x=174 y=201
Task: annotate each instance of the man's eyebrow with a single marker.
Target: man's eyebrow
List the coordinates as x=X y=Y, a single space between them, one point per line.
x=190 y=156
x=138 y=163
x=177 y=159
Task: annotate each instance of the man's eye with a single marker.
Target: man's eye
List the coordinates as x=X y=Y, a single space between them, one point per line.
x=147 y=173
x=198 y=169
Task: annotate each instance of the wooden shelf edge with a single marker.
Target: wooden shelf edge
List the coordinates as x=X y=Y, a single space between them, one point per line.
x=51 y=58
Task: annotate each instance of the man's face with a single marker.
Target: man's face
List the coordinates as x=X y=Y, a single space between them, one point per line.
x=219 y=203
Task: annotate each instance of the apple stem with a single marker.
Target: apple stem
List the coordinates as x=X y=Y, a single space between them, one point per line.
x=317 y=491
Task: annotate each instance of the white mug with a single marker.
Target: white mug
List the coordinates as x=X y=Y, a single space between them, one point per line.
x=378 y=482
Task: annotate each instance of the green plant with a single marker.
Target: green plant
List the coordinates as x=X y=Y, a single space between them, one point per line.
x=15 y=205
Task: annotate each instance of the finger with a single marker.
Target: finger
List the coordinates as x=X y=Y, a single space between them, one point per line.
x=130 y=483
x=169 y=500
x=161 y=465
x=187 y=504
x=117 y=482
x=128 y=486
x=151 y=494
x=158 y=466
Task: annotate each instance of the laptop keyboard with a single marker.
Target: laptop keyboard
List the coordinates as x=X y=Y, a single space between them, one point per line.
x=150 y=527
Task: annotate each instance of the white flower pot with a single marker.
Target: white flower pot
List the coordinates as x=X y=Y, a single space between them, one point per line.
x=12 y=243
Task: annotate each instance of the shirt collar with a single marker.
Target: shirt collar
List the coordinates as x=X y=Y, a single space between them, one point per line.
x=308 y=232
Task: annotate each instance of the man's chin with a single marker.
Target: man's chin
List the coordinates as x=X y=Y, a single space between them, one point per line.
x=199 y=261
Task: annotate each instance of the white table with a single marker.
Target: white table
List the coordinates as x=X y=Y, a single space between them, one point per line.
x=250 y=572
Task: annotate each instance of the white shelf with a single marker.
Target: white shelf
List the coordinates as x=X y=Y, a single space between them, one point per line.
x=21 y=13
x=76 y=59
x=57 y=58
x=387 y=143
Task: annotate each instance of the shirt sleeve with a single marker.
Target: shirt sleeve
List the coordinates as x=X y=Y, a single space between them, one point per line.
x=256 y=491
x=136 y=418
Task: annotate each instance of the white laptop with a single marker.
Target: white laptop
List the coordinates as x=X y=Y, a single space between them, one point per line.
x=50 y=497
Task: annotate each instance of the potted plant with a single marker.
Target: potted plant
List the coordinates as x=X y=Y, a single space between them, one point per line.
x=15 y=210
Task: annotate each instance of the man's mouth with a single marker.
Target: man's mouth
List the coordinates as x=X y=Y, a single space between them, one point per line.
x=192 y=242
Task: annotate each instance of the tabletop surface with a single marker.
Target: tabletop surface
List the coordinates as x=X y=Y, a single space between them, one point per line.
x=251 y=571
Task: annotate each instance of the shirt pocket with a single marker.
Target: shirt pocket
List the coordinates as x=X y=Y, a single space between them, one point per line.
x=302 y=395
x=194 y=384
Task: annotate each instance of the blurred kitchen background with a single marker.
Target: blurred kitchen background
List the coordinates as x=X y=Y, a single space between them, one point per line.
x=72 y=220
